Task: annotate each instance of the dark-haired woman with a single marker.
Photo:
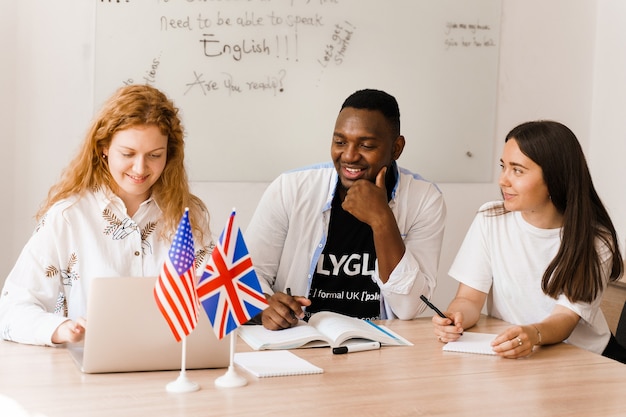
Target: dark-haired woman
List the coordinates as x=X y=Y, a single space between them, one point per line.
x=542 y=256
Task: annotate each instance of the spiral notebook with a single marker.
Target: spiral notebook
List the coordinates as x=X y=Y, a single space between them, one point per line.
x=472 y=342
x=275 y=363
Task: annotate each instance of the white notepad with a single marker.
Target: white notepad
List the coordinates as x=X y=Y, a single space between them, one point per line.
x=472 y=342
x=275 y=363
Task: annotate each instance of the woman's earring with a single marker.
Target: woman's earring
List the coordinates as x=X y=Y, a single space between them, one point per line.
x=104 y=156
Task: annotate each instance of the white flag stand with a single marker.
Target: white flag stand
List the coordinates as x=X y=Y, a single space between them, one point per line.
x=231 y=378
x=182 y=384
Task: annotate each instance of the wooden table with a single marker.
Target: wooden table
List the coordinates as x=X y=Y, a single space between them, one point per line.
x=419 y=380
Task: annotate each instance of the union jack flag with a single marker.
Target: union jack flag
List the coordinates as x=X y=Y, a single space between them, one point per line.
x=174 y=291
x=229 y=288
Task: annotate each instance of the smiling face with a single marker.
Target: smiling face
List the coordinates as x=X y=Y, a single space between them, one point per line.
x=136 y=157
x=363 y=143
x=524 y=189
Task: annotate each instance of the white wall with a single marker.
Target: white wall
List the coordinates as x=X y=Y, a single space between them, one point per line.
x=607 y=153
x=50 y=98
x=7 y=132
x=551 y=67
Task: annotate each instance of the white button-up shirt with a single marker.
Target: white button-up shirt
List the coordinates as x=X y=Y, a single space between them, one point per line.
x=288 y=231
x=78 y=239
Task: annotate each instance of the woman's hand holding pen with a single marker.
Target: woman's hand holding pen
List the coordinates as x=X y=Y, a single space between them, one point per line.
x=450 y=328
x=284 y=311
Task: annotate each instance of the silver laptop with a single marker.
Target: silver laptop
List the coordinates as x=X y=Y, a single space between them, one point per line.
x=126 y=332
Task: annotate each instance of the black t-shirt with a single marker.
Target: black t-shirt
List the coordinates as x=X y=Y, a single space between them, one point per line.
x=343 y=279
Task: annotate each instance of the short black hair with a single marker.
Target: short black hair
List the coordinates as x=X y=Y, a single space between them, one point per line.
x=370 y=99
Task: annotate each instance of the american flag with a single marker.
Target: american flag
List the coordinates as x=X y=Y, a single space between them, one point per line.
x=174 y=290
x=229 y=288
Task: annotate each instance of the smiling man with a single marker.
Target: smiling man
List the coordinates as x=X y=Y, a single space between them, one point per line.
x=359 y=236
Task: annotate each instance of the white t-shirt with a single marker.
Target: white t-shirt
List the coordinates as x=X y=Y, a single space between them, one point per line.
x=505 y=256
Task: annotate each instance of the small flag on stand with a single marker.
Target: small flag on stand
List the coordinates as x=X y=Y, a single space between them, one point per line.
x=229 y=288
x=174 y=291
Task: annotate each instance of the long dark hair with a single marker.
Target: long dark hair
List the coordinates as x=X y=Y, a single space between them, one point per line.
x=576 y=270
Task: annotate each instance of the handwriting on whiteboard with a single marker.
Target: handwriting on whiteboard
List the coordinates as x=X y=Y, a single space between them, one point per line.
x=468 y=35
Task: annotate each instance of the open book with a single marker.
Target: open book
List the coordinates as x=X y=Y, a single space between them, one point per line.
x=323 y=329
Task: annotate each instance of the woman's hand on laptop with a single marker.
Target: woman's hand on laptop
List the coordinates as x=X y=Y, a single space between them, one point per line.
x=70 y=331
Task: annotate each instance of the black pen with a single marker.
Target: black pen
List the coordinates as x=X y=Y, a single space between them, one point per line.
x=293 y=314
x=431 y=305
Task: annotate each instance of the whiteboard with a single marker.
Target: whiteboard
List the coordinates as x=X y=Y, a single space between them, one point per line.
x=259 y=83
